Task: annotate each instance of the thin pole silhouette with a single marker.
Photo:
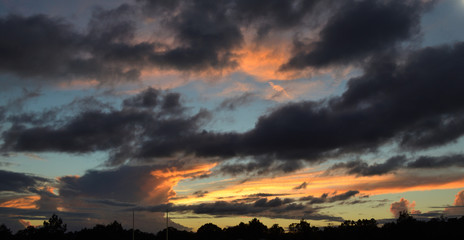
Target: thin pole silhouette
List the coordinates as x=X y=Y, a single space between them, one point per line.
x=167 y=223
x=133 y=224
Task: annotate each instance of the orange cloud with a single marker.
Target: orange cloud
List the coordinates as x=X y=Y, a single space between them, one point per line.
x=28 y=202
x=263 y=62
x=458 y=208
x=24 y=223
x=319 y=184
x=403 y=206
x=279 y=92
x=401 y=182
x=172 y=176
x=459 y=200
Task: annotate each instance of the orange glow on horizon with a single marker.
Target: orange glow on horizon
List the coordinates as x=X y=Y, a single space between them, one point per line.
x=317 y=184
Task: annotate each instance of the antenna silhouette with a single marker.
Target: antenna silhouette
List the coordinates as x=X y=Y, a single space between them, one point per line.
x=133 y=224
x=167 y=223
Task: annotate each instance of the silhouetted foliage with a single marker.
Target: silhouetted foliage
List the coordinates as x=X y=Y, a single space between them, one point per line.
x=29 y=233
x=405 y=227
x=53 y=228
x=174 y=234
x=209 y=231
x=5 y=233
x=276 y=232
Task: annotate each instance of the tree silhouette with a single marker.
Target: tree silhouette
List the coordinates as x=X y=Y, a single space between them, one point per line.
x=29 y=233
x=174 y=234
x=301 y=227
x=405 y=227
x=276 y=232
x=5 y=233
x=209 y=231
x=54 y=225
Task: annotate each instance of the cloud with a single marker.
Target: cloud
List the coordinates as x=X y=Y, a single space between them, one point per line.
x=389 y=103
x=280 y=92
x=458 y=206
x=403 y=206
x=359 y=30
x=326 y=198
x=98 y=196
x=459 y=200
x=108 y=50
x=395 y=163
x=360 y=168
x=376 y=109
x=195 y=37
x=124 y=184
x=301 y=186
x=454 y=160
x=262 y=16
x=63 y=52
x=237 y=101
x=274 y=208
x=109 y=129
x=200 y=193
x=274 y=15
x=19 y=182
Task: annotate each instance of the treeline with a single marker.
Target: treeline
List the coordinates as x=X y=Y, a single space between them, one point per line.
x=405 y=227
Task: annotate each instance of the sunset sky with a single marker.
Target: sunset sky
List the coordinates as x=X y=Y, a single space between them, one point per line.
x=222 y=111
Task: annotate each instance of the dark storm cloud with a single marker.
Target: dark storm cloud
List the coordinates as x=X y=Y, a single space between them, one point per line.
x=343 y=196
x=146 y=99
x=140 y=119
x=325 y=198
x=261 y=15
x=360 y=29
x=276 y=202
x=122 y=185
x=438 y=162
x=35 y=213
x=206 y=38
x=415 y=103
x=51 y=49
x=206 y=35
x=159 y=6
x=111 y=202
x=275 y=14
x=36 y=46
x=19 y=182
x=261 y=197
x=91 y=131
x=261 y=165
x=361 y=168
x=275 y=208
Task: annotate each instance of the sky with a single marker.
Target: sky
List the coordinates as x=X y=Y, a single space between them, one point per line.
x=223 y=111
